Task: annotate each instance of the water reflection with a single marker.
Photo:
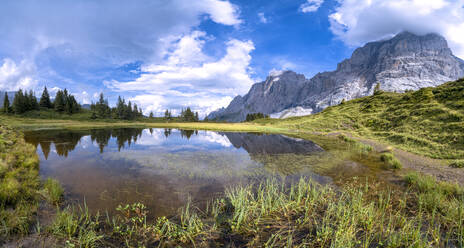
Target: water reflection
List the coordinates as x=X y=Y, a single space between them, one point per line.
x=163 y=167
x=66 y=141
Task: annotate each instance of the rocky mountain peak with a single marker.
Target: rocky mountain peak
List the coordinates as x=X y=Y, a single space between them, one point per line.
x=404 y=62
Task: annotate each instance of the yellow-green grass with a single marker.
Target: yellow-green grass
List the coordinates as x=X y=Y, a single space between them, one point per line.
x=428 y=122
x=424 y=213
x=34 y=123
x=19 y=182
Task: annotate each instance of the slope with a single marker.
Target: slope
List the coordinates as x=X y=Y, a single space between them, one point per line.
x=429 y=121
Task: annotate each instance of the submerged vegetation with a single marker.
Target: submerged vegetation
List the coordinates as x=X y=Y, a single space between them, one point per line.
x=425 y=214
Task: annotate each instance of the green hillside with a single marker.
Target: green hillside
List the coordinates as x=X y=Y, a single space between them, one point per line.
x=429 y=121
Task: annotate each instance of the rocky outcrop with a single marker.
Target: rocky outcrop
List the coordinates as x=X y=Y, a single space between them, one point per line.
x=405 y=62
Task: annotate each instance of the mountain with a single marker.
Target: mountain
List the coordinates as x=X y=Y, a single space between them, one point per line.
x=405 y=62
x=272 y=144
x=429 y=121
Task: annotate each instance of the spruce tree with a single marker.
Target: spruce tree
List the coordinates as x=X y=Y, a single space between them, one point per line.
x=59 y=101
x=19 y=102
x=128 y=111
x=102 y=106
x=120 y=108
x=6 y=104
x=45 y=99
x=151 y=115
x=32 y=100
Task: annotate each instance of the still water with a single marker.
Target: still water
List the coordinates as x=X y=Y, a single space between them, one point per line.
x=165 y=168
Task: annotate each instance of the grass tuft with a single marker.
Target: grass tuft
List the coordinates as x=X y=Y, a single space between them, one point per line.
x=53 y=191
x=457 y=164
x=391 y=161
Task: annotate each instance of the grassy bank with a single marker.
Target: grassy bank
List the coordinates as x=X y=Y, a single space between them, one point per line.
x=19 y=184
x=423 y=213
x=35 y=124
x=428 y=122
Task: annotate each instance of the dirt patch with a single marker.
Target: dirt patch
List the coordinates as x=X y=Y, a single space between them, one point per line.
x=410 y=161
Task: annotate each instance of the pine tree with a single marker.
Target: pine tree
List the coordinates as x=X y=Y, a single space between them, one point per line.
x=196 y=116
x=6 y=104
x=135 y=111
x=19 y=102
x=32 y=101
x=45 y=99
x=102 y=107
x=151 y=115
x=187 y=115
x=59 y=101
x=120 y=108
x=166 y=114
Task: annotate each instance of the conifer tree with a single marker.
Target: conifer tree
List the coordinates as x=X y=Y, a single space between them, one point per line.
x=102 y=107
x=32 y=101
x=59 y=101
x=120 y=108
x=151 y=115
x=19 y=102
x=6 y=104
x=45 y=99
x=128 y=114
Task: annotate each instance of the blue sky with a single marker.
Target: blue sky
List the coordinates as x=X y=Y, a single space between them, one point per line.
x=177 y=53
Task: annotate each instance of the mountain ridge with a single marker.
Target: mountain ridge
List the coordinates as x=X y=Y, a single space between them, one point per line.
x=404 y=62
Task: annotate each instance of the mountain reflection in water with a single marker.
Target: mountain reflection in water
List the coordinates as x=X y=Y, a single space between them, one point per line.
x=163 y=168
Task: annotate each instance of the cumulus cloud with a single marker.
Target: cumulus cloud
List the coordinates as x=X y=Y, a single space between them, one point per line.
x=188 y=77
x=359 y=21
x=14 y=76
x=311 y=6
x=82 y=36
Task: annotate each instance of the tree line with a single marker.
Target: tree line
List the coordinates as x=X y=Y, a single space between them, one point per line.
x=65 y=102
x=122 y=111
x=255 y=116
x=24 y=101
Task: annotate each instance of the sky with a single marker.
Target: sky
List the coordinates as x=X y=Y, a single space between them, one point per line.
x=170 y=54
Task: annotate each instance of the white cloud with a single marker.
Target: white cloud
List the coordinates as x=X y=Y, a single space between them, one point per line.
x=85 y=36
x=311 y=6
x=262 y=18
x=359 y=21
x=14 y=76
x=221 y=11
x=213 y=137
x=188 y=77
